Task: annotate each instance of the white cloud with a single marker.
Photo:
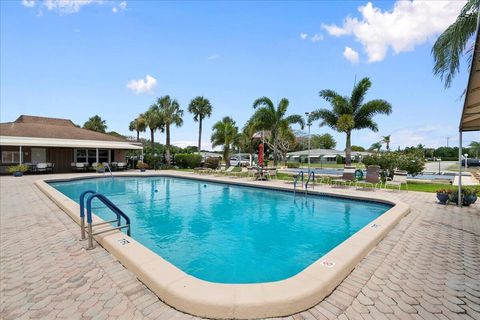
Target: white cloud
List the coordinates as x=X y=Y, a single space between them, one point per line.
x=142 y=85
x=62 y=6
x=303 y=36
x=351 y=55
x=214 y=56
x=28 y=3
x=433 y=136
x=186 y=143
x=68 y=6
x=317 y=37
x=121 y=7
x=409 y=24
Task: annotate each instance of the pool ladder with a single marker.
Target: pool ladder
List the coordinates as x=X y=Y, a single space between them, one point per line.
x=109 y=169
x=295 y=181
x=89 y=228
x=311 y=174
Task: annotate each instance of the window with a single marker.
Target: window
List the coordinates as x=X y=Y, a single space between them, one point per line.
x=90 y=155
x=10 y=156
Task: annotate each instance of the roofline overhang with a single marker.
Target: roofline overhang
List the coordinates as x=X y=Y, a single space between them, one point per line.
x=67 y=143
x=467 y=117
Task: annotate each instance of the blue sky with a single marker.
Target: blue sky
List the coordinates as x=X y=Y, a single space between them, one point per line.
x=74 y=60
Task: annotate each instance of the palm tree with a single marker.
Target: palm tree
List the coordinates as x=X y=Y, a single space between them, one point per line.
x=376 y=146
x=451 y=44
x=386 y=140
x=272 y=119
x=475 y=148
x=245 y=139
x=350 y=113
x=170 y=113
x=138 y=125
x=153 y=122
x=95 y=123
x=225 y=133
x=201 y=108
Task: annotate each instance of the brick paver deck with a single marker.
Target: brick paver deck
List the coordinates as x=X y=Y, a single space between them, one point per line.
x=428 y=267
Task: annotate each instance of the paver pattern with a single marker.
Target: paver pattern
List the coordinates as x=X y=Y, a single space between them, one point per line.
x=428 y=267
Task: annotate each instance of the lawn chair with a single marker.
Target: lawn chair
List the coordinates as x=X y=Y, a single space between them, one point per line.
x=347 y=178
x=42 y=167
x=229 y=170
x=243 y=172
x=272 y=173
x=373 y=177
x=399 y=178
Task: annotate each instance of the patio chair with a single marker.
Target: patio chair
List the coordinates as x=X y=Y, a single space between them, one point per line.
x=73 y=166
x=121 y=166
x=50 y=167
x=348 y=177
x=399 y=178
x=243 y=172
x=272 y=173
x=80 y=166
x=373 y=177
x=42 y=167
x=229 y=170
x=220 y=170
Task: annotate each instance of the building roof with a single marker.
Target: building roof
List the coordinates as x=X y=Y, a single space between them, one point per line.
x=32 y=130
x=470 y=119
x=314 y=153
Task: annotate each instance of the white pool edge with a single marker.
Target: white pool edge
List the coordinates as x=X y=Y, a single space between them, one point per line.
x=215 y=300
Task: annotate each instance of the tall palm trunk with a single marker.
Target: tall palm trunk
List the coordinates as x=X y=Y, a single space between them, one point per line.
x=152 y=142
x=348 y=150
x=199 y=134
x=167 y=143
x=138 y=135
x=226 y=156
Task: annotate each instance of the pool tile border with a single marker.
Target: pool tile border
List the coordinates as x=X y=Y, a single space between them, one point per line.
x=215 y=300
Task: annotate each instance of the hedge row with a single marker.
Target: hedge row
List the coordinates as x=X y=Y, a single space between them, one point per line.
x=188 y=160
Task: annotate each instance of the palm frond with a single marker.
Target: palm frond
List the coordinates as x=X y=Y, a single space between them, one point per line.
x=296 y=118
x=328 y=117
x=450 y=45
x=359 y=92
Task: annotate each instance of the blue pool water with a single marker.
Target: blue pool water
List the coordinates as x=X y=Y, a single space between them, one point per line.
x=227 y=233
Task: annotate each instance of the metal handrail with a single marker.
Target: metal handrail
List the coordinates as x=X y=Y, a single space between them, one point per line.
x=110 y=170
x=82 y=212
x=310 y=174
x=300 y=174
x=119 y=213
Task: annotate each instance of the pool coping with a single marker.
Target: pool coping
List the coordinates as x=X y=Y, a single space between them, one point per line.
x=216 y=300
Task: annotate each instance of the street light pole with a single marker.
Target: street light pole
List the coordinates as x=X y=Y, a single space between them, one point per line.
x=309 y=124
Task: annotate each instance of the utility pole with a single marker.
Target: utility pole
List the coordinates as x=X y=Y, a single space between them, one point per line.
x=448 y=139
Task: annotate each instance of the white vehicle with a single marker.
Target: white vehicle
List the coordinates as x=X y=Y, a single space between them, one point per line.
x=235 y=162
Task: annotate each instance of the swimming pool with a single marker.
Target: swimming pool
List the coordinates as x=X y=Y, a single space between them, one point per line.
x=228 y=233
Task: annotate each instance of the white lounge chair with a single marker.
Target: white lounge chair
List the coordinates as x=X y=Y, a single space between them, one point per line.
x=399 y=178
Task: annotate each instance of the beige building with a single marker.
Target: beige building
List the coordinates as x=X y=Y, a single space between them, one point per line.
x=33 y=140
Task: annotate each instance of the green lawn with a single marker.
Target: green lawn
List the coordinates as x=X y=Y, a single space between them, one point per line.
x=412 y=185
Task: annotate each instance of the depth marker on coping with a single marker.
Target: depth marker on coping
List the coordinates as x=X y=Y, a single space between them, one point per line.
x=123 y=241
x=328 y=264
x=374 y=226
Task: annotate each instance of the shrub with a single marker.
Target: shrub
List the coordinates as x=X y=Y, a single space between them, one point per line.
x=17 y=168
x=142 y=165
x=293 y=165
x=167 y=167
x=391 y=161
x=212 y=162
x=186 y=160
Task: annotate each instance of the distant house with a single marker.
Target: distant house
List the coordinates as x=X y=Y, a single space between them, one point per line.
x=323 y=155
x=31 y=139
